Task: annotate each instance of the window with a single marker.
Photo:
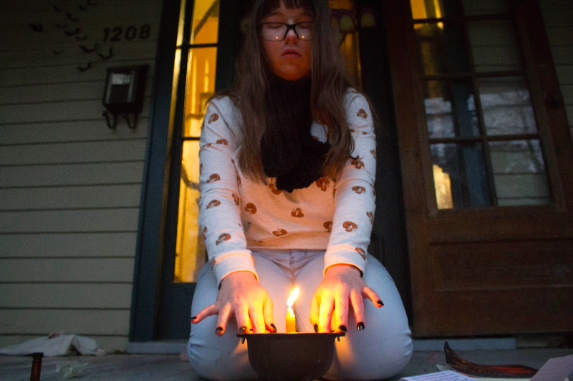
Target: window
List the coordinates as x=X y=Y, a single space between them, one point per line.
x=199 y=86
x=485 y=146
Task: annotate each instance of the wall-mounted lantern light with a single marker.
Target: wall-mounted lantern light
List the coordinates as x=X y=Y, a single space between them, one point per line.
x=124 y=93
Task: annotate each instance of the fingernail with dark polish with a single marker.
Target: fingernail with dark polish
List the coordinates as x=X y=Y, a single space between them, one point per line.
x=316 y=328
x=360 y=326
x=342 y=328
x=219 y=330
x=274 y=328
x=194 y=317
x=243 y=328
x=380 y=303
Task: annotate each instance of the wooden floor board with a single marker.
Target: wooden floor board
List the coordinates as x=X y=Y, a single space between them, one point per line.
x=109 y=368
x=172 y=368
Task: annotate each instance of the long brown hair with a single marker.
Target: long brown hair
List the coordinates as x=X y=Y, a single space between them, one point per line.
x=328 y=87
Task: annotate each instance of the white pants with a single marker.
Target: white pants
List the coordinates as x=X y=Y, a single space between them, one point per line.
x=379 y=351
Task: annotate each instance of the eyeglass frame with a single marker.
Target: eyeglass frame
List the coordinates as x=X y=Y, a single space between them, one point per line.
x=289 y=27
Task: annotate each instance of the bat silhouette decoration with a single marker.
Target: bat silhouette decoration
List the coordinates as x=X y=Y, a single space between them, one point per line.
x=88 y=50
x=496 y=371
x=108 y=56
x=84 y=68
x=73 y=33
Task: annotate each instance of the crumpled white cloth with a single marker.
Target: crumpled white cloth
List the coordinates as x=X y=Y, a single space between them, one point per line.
x=55 y=345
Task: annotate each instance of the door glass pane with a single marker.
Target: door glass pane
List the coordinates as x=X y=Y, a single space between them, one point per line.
x=200 y=87
x=506 y=106
x=450 y=109
x=485 y=7
x=426 y=9
x=205 y=27
x=519 y=173
x=345 y=21
x=442 y=47
x=494 y=45
x=460 y=178
x=190 y=249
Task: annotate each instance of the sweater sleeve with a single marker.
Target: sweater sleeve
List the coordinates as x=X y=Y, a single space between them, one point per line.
x=354 y=196
x=219 y=204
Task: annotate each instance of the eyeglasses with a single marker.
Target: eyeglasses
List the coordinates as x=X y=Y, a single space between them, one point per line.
x=277 y=31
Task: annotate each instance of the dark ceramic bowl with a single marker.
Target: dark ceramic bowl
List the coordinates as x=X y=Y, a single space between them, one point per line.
x=290 y=356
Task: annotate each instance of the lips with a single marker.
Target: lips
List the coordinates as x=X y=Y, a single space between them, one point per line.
x=291 y=53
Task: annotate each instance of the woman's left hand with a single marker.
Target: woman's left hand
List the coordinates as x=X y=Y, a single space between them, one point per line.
x=342 y=287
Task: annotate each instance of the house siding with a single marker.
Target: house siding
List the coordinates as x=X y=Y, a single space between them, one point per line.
x=69 y=186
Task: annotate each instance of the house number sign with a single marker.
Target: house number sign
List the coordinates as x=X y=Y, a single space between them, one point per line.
x=129 y=33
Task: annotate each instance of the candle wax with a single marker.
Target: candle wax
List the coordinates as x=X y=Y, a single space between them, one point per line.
x=290 y=321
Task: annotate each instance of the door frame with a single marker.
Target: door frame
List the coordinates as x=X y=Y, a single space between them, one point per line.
x=155 y=228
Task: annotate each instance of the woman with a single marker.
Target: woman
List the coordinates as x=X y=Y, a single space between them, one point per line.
x=287 y=198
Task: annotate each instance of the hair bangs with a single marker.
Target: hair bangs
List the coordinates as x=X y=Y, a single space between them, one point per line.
x=270 y=5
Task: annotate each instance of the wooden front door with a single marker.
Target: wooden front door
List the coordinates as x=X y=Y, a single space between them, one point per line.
x=486 y=158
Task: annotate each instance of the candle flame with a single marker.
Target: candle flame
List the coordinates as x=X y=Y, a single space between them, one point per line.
x=292 y=297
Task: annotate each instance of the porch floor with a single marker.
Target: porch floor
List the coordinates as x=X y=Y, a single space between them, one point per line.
x=172 y=368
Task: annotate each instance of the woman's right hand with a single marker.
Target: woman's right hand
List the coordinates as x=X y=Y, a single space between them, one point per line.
x=242 y=296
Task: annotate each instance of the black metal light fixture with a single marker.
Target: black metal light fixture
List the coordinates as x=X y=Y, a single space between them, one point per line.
x=124 y=93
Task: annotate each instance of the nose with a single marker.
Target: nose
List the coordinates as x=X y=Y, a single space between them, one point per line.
x=291 y=36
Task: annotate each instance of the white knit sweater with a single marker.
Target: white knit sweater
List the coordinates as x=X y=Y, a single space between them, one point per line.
x=238 y=215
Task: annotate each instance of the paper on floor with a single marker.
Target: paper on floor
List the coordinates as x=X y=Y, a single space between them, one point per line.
x=55 y=345
x=555 y=369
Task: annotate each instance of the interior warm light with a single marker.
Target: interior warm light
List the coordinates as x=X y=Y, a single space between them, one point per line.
x=200 y=70
x=422 y=10
x=443 y=186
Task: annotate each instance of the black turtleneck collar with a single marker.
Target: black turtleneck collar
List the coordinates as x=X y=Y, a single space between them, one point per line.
x=288 y=151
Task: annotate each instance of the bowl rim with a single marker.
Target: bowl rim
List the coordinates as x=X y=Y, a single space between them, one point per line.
x=291 y=334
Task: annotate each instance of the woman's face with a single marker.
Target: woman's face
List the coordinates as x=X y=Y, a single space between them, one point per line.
x=290 y=58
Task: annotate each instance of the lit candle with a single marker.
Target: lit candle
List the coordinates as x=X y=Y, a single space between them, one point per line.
x=290 y=319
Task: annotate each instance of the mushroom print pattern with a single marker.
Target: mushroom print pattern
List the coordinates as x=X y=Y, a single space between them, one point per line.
x=339 y=210
x=280 y=232
x=323 y=183
x=213 y=118
x=371 y=217
x=349 y=226
x=359 y=164
x=214 y=177
x=297 y=213
x=361 y=252
x=223 y=237
x=251 y=208
x=213 y=204
x=274 y=189
x=359 y=190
